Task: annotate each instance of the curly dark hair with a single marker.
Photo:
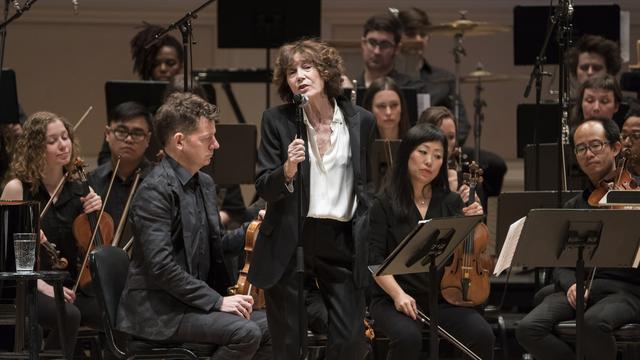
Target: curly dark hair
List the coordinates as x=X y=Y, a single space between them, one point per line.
x=180 y=113
x=29 y=160
x=609 y=50
x=325 y=59
x=144 y=59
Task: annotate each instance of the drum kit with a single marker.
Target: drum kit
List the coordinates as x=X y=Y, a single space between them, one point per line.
x=459 y=29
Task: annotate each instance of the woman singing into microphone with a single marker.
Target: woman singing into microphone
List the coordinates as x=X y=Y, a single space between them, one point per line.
x=332 y=150
x=42 y=156
x=417 y=189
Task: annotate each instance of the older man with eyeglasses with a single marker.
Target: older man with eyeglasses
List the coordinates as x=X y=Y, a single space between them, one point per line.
x=127 y=134
x=614 y=296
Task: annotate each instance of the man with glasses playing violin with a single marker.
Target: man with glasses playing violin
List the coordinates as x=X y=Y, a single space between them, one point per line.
x=614 y=298
x=127 y=133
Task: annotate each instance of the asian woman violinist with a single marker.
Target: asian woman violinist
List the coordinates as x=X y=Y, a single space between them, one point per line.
x=417 y=189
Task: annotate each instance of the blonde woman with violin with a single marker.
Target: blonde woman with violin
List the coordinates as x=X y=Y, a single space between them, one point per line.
x=417 y=189
x=42 y=157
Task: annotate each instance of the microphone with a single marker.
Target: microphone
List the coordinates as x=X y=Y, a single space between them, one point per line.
x=300 y=100
x=75 y=6
x=16 y=5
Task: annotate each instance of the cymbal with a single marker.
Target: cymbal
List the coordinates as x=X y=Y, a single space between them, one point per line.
x=485 y=76
x=467 y=28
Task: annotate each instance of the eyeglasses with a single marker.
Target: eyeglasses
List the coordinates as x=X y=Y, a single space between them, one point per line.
x=121 y=133
x=595 y=147
x=633 y=136
x=594 y=67
x=383 y=45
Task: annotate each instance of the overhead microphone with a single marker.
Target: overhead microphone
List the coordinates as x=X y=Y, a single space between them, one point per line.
x=300 y=100
x=75 y=3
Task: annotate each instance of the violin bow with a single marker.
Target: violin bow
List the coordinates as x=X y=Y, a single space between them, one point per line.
x=86 y=113
x=56 y=191
x=125 y=212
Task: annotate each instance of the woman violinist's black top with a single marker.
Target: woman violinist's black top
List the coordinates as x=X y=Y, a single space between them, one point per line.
x=386 y=232
x=57 y=223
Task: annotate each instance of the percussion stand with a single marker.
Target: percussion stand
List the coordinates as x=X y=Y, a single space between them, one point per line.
x=478 y=119
x=458 y=53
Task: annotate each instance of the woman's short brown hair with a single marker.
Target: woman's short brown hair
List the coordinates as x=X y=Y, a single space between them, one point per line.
x=180 y=113
x=435 y=115
x=324 y=58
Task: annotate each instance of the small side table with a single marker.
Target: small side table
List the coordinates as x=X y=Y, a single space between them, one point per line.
x=26 y=301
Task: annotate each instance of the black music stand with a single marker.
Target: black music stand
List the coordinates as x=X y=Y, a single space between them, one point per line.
x=576 y=238
x=426 y=249
x=235 y=161
x=9 y=109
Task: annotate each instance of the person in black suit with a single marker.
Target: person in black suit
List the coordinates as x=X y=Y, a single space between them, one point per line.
x=417 y=189
x=614 y=296
x=332 y=151
x=177 y=278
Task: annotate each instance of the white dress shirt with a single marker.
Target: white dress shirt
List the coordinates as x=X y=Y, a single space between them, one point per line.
x=331 y=194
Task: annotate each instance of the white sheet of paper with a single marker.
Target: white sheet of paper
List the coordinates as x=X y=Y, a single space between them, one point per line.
x=423 y=103
x=509 y=247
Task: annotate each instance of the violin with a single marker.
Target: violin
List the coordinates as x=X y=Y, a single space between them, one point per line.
x=243 y=286
x=85 y=231
x=466 y=280
x=57 y=262
x=619 y=179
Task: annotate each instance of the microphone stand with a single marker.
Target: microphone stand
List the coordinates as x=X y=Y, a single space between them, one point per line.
x=302 y=330
x=184 y=26
x=17 y=14
x=537 y=73
x=565 y=30
x=3 y=35
x=8 y=20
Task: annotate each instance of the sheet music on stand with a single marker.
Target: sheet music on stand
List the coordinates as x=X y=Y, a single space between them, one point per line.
x=529 y=229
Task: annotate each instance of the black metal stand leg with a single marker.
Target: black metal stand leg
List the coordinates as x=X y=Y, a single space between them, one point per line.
x=61 y=314
x=302 y=329
x=433 y=310
x=34 y=343
x=233 y=102
x=579 y=302
x=21 y=302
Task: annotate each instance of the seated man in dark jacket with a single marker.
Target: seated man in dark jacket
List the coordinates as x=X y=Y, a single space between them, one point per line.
x=614 y=297
x=177 y=280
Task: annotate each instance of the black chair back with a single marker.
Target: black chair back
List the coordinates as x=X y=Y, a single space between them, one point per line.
x=109 y=267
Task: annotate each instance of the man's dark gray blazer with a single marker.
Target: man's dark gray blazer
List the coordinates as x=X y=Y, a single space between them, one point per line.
x=278 y=235
x=160 y=288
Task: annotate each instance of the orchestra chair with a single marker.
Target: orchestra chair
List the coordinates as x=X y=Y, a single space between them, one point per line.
x=109 y=268
x=627 y=336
